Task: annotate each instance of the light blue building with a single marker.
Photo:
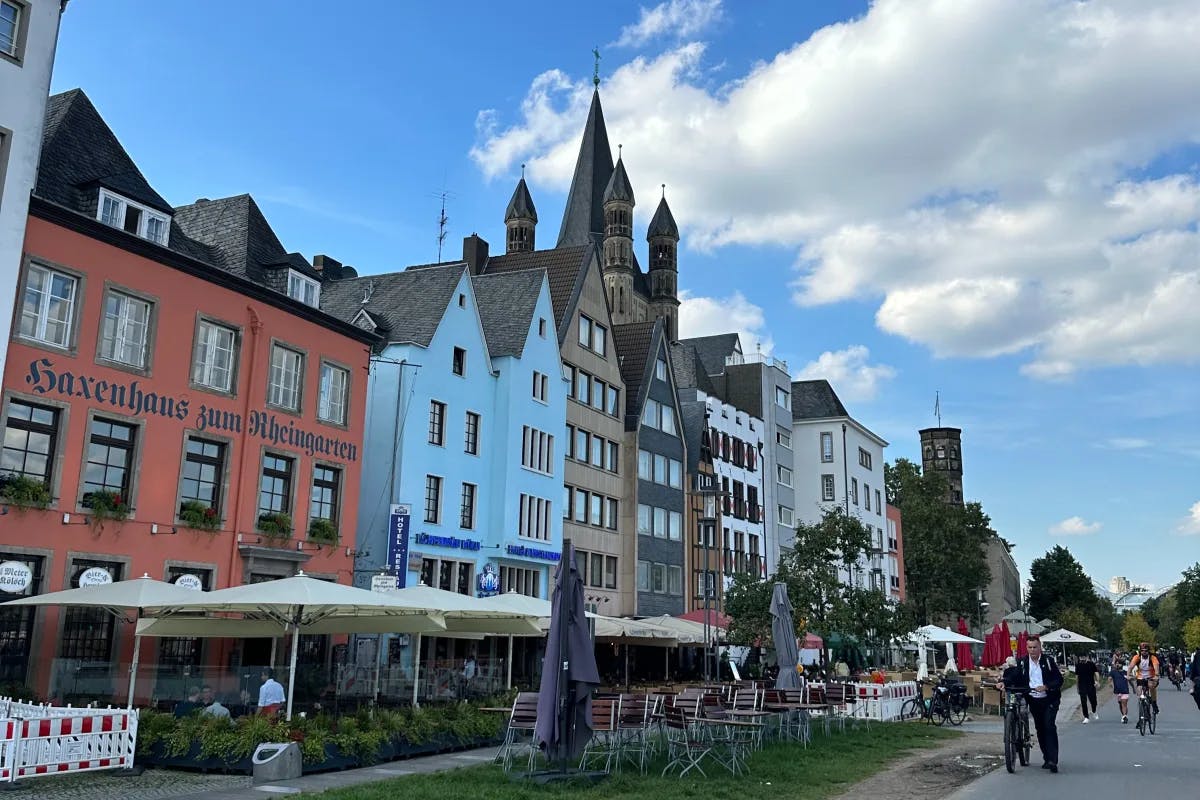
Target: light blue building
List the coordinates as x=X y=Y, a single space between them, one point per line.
x=465 y=403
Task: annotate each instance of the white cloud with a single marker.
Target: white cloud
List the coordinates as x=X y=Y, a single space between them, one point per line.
x=852 y=377
x=677 y=18
x=1191 y=523
x=708 y=316
x=976 y=169
x=1126 y=443
x=1074 y=526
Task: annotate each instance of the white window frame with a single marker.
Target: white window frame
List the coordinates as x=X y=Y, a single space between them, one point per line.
x=826 y=455
x=783 y=398
x=828 y=488
x=784 y=475
x=541 y=387
x=18 y=9
x=785 y=516
x=45 y=299
x=203 y=366
x=277 y=389
x=660 y=369
x=300 y=286
x=330 y=408
x=784 y=440
x=112 y=347
x=123 y=205
x=585 y=331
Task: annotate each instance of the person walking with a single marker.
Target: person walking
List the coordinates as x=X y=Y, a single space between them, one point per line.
x=1085 y=684
x=1120 y=687
x=1039 y=673
x=1195 y=670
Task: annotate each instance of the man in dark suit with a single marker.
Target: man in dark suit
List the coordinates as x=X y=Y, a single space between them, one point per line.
x=1039 y=673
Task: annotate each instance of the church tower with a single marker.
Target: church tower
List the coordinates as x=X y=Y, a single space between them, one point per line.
x=663 y=236
x=520 y=218
x=618 y=244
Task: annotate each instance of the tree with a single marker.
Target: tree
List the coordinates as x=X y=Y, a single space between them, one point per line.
x=1057 y=581
x=1108 y=623
x=1076 y=619
x=1191 y=633
x=945 y=545
x=1187 y=593
x=1136 y=630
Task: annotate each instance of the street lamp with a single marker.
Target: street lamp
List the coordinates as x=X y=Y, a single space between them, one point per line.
x=706 y=488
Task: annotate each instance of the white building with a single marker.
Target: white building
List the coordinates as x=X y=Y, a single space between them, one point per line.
x=839 y=462
x=28 y=37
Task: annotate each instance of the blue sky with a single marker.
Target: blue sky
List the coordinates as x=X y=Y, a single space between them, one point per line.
x=994 y=201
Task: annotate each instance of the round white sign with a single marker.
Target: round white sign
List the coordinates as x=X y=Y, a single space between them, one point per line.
x=95 y=576
x=15 y=577
x=190 y=582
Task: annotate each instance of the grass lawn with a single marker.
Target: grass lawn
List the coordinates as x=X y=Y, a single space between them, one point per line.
x=829 y=766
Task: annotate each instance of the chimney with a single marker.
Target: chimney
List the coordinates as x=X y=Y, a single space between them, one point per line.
x=475 y=253
x=330 y=269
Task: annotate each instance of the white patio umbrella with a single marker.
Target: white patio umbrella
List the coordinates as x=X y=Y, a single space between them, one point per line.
x=116 y=598
x=1064 y=636
x=932 y=634
x=301 y=602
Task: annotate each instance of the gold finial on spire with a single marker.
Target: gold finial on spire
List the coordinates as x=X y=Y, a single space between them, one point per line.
x=596 y=67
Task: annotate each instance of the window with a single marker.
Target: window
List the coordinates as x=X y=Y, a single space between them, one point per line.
x=583 y=387
x=864 y=458
x=462 y=300
x=600 y=339
x=645 y=465
x=521 y=581
x=784 y=475
x=611 y=517
x=660 y=523
x=645 y=521
x=660 y=416
x=203 y=473
x=48 y=307
x=459 y=361
x=132 y=217
x=660 y=369
x=323 y=500
x=827 y=487
x=123 y=329
x=304 y=289
x=826 y=447
x=471 y=434
x=675 y=580
x=275 y=485
x=29 y=441
x=537 y=450
x=580 y=505
x=660 y=469
x=614 y=457
x=466 y=511
x=87 y=633
x=878 y=503
x=674 y=526
x=783 y=439
x=597 y=451
x=596 y=570
x=287 y=373
x=10 y=27
x=598 y=387
x=854 y=490
x=213 y=358
x=331 y=395
x=674 y=473
x=585 y=331
x=569 y=375
x=643 y=576
x=582 y=438
x=782 y=398
x=542 y=327
x=866 y=497
x=610 y=572
x=535 y=518
x=437 y=423
x=613 y=406
x=668 y=420
x=658 y=578
x=567 y=492
x=541 y=387
x=109 y=459
x=596 y=517
x=785 y=516
x=433 y=499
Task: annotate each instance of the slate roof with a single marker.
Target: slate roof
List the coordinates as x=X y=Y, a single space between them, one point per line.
x=689 y=371
x=562 y=266
x=633 y=343
x=583 y=216
x=816 y=400
x=618 y=187
x=506 y=306
x=521 y=204
x=407 y=305
x=663 y=222
x=692 y=416
x=713 y=350
x=80 y=153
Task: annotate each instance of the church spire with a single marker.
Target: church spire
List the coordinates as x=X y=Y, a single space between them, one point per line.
x=583 y=217
x=520 y=218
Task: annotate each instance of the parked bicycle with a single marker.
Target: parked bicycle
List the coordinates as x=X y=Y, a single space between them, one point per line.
x=1017 y=742
x=948 y=702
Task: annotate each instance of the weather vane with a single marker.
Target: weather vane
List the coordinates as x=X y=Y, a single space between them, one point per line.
x=596 y=68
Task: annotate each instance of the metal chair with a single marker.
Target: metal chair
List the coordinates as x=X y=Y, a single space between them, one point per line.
x=686 y=748
x=520 y=733
x=604 y=746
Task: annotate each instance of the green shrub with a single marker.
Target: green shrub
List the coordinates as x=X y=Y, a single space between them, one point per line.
x=194 y=514
x=276 y=525
x=104 y=504
x=21 y=491
x=322 y=530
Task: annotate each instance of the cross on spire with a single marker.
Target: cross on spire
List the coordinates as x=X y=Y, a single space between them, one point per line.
x=596 y=67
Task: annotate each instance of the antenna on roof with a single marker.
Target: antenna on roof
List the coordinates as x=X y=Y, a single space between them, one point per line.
x=937 y=407
x=443 y=220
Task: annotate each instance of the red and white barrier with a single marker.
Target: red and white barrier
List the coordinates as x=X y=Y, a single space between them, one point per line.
x=90 y=740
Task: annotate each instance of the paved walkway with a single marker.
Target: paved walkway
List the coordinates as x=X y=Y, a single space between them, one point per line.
x=1105 y=760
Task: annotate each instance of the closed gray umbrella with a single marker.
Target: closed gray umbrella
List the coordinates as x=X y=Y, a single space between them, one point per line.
x=783 y=631
x=569 y=674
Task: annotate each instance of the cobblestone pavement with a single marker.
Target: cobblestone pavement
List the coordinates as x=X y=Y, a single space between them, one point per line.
x=152 y=784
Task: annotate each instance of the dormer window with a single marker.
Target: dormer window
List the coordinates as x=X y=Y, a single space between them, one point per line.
x=304 y=289
x=132 y=217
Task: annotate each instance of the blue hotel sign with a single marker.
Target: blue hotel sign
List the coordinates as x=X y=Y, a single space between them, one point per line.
x=452 y=542
x=399 y=522
x=522 y=551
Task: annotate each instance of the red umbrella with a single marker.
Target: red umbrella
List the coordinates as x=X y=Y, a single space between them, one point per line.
x=1022 y=642
x=999 y=646
x=1006 y=651
x=812 y=642
x=963 y=654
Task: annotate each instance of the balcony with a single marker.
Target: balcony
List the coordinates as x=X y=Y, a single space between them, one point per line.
x=756 y=358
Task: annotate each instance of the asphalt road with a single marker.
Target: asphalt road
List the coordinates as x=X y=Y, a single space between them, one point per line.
x=1105 y=760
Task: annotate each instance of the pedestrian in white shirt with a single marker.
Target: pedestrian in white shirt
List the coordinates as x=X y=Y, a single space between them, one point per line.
x=270 y=694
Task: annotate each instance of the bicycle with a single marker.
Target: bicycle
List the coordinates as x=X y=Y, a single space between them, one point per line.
x=1017 y=742
x=945 y=704
x=1147 y=717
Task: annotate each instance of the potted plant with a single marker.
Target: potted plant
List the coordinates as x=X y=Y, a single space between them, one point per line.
x=194 y=514
x=322 y=530
x=21 y=491
x=104 y=504
x=275 y=524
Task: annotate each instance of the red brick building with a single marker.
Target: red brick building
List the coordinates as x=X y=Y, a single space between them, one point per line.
x=174 y=404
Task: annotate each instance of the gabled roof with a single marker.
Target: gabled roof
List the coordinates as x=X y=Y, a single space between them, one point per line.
x=407 y=306
x=663 y=222
x=635 y=344
x=713 y=350
x=521 y=204
x=583 y=216
x=563 y=267
x=618 y=187
x=693 y=417
x=506 y=302
x=80 y=153
x=816 y=400
x=689 y=371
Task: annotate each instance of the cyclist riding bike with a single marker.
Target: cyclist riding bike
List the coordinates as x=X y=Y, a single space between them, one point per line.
x=1145 y=669
x=1175 y=665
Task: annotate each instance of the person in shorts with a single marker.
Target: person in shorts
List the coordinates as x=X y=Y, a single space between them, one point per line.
x=1120 y=684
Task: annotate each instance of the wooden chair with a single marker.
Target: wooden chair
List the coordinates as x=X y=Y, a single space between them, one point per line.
x=519 y=737
x=634 y=725
x=686 y=748
x=605 y=745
